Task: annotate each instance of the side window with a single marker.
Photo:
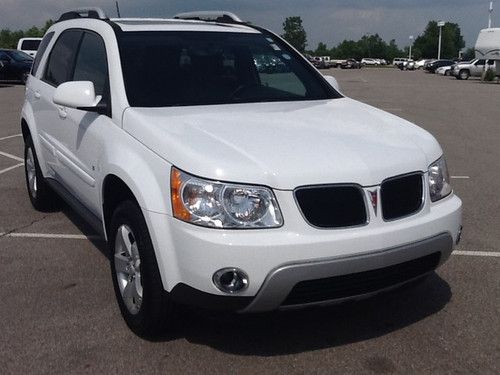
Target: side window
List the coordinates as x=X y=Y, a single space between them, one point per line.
x=91 y=63
x=41 y=50
x=59 y=66
x=480 y=62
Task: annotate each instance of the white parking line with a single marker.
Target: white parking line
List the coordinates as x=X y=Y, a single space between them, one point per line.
x=96 y=237
x=477 y=253
x=50 y=235
x=460 y=177
x=11 y=168
x=17 y=158
x=11 y=136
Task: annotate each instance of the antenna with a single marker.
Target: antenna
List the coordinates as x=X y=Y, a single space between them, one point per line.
x=117 y=9
x=490 y=11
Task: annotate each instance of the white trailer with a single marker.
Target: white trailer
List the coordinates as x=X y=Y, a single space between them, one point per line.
x=488 y=46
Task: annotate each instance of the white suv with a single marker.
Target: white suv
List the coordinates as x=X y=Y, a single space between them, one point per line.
x=221 y=185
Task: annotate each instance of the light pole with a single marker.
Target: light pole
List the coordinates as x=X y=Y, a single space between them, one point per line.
x=440 y=25
x=411 y=43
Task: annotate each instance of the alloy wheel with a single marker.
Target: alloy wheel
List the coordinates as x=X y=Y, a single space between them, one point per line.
x=127 y=263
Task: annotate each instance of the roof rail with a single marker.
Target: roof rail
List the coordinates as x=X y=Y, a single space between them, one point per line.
x=87 y=12
x=220 y=16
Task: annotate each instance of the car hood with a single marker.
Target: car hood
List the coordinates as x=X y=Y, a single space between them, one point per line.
x=285 y=145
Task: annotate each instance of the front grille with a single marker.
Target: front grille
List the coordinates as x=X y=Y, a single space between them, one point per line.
x=401 y=196
x=335 y=206
x=354 y=284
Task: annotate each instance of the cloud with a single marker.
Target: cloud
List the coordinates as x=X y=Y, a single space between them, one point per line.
x=325 y=20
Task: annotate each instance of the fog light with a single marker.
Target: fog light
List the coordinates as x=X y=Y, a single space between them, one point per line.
x=230 y=280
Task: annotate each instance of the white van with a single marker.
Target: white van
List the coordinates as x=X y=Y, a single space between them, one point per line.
x=29 y=45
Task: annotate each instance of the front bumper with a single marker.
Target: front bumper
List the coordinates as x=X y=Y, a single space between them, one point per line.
x=189 y=255
x=333 y=280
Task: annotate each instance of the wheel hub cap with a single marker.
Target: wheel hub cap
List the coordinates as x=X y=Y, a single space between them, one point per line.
x=31 y=172
x=128 y=269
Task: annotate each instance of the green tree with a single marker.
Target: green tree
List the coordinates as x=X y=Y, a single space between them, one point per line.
x=9 y=39
x=322 y=50
x=469 y=54
x=294 y=33
x=452 y=41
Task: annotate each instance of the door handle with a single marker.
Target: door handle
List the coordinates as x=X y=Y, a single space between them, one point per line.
x=62 y=112
x=37 y=95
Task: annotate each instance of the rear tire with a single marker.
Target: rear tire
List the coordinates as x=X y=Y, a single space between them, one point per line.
x=144 y=304
x=42 y=197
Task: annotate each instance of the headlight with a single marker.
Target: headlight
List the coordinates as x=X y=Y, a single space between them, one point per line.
x=439 y=180
x=222 y=205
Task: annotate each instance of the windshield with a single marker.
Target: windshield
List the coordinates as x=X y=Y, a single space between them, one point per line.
x=19 y=56
x=162 y=69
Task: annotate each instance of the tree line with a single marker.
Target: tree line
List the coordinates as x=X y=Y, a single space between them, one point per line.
x=424 y=46
x=9 y=39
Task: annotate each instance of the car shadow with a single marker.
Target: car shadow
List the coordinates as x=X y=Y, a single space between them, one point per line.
x=301 y=330
x=98 y=241
x=289 y=332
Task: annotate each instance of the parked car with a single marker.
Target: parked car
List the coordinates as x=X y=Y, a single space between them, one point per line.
x=319 y=63
x=444 y=70
x=407 y=65
x=431 y=67
x=420 y=63
x=398 y=61
x=221 y=187
x=350 y=64
x=16 y=65
x=369 y=61
x=29 y=45
x=474 y=68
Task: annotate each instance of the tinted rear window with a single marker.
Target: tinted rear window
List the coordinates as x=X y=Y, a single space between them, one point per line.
x=30 y=45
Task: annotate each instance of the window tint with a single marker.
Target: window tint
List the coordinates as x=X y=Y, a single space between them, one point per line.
x=91 y=64
x=275 y=73
x=165 y=68
x=4 y=56
x=30 y=45
x=41 y=50
x=480 y=62
x=61 y=58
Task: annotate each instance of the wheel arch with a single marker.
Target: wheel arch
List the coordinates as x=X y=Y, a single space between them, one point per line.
x=114 y=191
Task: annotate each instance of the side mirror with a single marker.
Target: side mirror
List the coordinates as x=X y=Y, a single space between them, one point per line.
x=79 y=95
x=333 y=82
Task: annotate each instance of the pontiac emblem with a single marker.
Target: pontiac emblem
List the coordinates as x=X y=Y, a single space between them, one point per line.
x=374 y=199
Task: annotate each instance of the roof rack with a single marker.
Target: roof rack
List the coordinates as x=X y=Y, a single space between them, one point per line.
x=87 y=12
x=210 y=16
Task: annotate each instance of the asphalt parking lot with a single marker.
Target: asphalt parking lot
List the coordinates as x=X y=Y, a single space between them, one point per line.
x=59 y=314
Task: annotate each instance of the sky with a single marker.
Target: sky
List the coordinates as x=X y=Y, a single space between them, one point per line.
x=328 y=21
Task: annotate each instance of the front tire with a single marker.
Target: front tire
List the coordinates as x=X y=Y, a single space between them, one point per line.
x=464 y=74
x=144 y=304
x=42 y=197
